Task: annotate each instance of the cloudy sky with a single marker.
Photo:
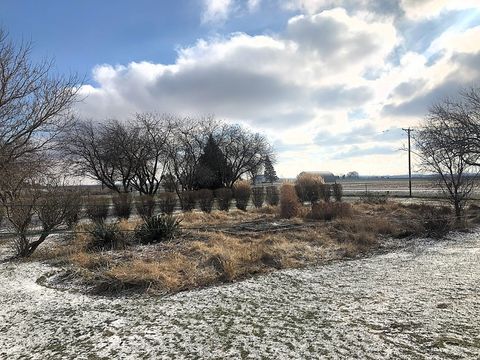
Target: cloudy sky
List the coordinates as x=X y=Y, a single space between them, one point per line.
x=330 y=82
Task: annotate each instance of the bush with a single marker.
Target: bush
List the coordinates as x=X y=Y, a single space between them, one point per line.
x=73 y=209
x=258 y=196
x=205 y=200
x=167 y=202
x=224 y=198
x=436 y=221
x=272 y=196
x=307 y=187
x=329 y=211
x=106 y=237
x=122 y=205
x=97 y=208
x=242 y=191
x=157 y=229
x=289 y=203
x=145 y=206
x=325 y=192
x=337 y=191
x=189 y=200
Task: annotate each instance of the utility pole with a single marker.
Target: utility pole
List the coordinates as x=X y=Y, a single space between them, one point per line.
x=408 y=131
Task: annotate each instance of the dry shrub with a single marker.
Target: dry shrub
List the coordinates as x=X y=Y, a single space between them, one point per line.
x=224 y=198
x=145 y=205
x=167 y=202
x=337 y=191
x=258 y=196
x=97 y=207
x=272 y=195
x=307 y=187
x=122 y=205
x=242 y=192
x=289 y=204
x=188 y=200
x=325 y=192
x=205 y=200
x=329 y=211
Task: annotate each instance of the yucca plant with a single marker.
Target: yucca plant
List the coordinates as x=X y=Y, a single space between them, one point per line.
x=157 y=229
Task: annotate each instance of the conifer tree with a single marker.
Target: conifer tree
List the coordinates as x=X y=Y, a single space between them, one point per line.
x=212 y=170
x=269 y=173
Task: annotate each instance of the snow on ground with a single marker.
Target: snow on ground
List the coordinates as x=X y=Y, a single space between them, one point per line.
x=419 y=301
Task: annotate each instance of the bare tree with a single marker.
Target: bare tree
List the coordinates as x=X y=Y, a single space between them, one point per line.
x=34 y=105
x=152 y=156
x=444 y=148
x=98 y=150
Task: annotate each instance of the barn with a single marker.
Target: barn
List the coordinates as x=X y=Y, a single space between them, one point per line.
x=327 y=176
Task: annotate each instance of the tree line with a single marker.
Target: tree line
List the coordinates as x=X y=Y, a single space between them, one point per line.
x=154 y=151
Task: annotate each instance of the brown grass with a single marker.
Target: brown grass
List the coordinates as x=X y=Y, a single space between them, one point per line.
x=205 y=255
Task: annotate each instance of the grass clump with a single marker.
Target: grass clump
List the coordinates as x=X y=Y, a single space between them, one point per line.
x=242 y=192
x=289 y=204
x=145 y=206
x=308 y=186
x=106 y=237
x=337 y=190
x=188 y=200
x=97 y=208
x=328 y=211
x=157 y=229
x=224 y=198
x=167 y=202
x=122 y=205
x=205 y=200
x=258 y=196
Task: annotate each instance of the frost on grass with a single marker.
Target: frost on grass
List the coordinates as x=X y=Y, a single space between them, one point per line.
x=419 y=301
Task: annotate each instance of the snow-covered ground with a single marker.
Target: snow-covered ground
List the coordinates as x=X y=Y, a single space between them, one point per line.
x=419 y=301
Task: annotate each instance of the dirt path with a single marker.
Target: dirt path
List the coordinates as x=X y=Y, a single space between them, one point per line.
x=421 y=301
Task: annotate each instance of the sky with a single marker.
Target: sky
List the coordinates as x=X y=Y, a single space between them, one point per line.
x=331 y=83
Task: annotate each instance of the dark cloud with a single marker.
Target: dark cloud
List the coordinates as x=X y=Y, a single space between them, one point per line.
x=409 y=88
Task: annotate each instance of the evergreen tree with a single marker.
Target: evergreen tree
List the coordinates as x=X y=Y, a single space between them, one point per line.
x=269 y=173
x=212 y=170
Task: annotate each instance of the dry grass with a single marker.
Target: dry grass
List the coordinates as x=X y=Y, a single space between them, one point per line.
x=205 y=255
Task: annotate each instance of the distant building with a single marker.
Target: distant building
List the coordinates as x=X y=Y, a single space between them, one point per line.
x=327 y=176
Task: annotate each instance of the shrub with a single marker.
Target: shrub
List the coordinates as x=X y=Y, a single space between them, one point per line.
x=157 y=228
x=337 y=191
x=189 y=200
x=242 y=191
x=329 y=211
x=325 y=192
x=105 y=237
x=145 y=206
x=97 y=208
x=272 y=195
x=258 y=196
x=167 y=202
x=73 y=209
x=436 y=221
x=122 y=205
x=205 y=200
x=289 y=203
x=307 y=187
x=224 y=198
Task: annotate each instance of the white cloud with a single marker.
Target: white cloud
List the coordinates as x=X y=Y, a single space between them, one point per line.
x=296 y=85
x=253 y=5
x=420 y=9
x=216 y=11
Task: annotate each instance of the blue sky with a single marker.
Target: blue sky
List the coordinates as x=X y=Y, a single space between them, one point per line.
x=323 y=79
